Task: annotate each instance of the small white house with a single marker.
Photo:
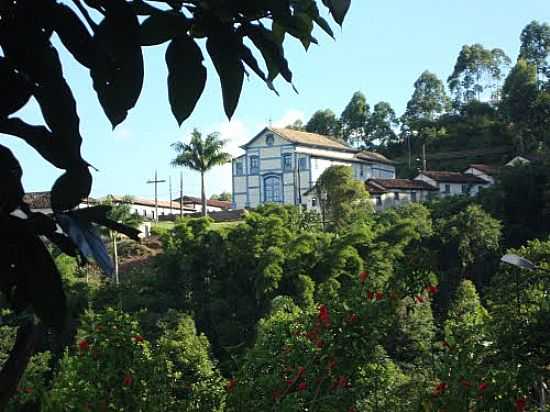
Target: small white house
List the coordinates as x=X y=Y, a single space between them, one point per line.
x=485 y=172
x=41 y=202
x=195 y=203
x=282 y=165
x=396 y=192
x=146 y=207
x=453 y=183
x=523 y=160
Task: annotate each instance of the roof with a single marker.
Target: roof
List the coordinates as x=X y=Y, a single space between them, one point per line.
x=374 y=189
x=405 y=184
x=147 y=202
x=307 y=139
x=487 y=169
x=210 y=202
x=452 y=177
x=42 y=200
x=373 y=157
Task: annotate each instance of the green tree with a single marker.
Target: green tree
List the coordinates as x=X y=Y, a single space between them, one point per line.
x=519 y=98
x=354 y=118
x=223 y=196
x=341 y=196
x=324 y=122
x=297 y=125
x=476 y=70
x=201 y=155
x=535 y=46
x=381 y=125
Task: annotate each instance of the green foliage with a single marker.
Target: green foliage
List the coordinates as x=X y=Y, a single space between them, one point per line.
x=354 y=118
x=112 y=367
x=535 y=46
x=342 y=198
x=323 y=122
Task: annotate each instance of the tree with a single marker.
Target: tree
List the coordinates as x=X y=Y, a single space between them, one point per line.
x=201 y=155
x=324 y=122
x=341 y=196
x=121 y=213
x=354 y=118
x=223 y=196
x=380 y=126
x=106 y=37
x=475 y=71
x=519 y=98
x=535 y=46
x=428 y=102
x=297 y=125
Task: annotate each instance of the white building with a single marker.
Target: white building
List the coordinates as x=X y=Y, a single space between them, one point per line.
x=195 y=203
x=281 y=165
x=522 y=160
x=453 y=183
x=485 y=172
x=146 y=207
x=396 y=192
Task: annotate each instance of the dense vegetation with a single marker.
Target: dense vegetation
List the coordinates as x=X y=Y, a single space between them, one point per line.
x=490 y=107
x=407 y=310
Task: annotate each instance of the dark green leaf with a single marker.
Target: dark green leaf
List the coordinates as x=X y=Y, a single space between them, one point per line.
x=224 y=46
x=15 y=91
x=251 y=62
x=161 y=27
x=322 y=23
x=73 y=34
x=186 y=76
x=117 y=71
x=272 y=52
x=338 y=9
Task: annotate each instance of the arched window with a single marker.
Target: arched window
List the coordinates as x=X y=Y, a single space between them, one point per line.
x=272 y=189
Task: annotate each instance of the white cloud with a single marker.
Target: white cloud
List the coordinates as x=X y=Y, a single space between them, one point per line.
x=236 y=133
x=288 y=118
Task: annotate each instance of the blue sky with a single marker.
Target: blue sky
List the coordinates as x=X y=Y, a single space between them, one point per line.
x=381 y=50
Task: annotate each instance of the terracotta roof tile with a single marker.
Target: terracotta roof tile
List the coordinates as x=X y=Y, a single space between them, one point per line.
x=312 y=139
x=406 y=184
x=452 y=177
x=487 y=169
x=210 y=202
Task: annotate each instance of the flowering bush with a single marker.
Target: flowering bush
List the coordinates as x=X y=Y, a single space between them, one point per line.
x=111 y=368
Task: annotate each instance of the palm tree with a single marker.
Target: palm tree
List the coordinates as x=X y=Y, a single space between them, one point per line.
x=201 y=155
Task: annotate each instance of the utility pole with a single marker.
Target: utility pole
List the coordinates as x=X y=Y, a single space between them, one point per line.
x=181 y=194
x=156 y=182
x=424 y=167
x=170 y=189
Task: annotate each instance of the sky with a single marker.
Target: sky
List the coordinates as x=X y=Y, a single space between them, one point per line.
x=381 y=50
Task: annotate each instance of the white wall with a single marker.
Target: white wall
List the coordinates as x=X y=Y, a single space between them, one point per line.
x=480 y=174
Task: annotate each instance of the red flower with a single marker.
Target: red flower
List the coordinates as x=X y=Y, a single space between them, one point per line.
x=467 y=384
x=483 y=386
x=302 y=386
x=342 y=382
x=370 y=295
x=324 y=316
x=27 y=390
x=83 y=345
x=419 y=299
x=352 y=317
x=138 y=338
x=432 y=290
x=128 y=380
x=363 y=276
x=439 y=389
x=520 y=404
x=230 y=385
x=379 y=295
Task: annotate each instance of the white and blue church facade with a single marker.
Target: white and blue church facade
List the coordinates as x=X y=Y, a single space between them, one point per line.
x=281 y=165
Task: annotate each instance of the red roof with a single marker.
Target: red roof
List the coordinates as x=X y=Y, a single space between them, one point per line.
x=147 y=202
x=210 y=202
x=453 y=177
x=404 y=184
x=487 y=169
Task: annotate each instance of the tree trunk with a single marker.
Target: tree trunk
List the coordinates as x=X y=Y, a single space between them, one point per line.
x=203 y=195
x=115 y=257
